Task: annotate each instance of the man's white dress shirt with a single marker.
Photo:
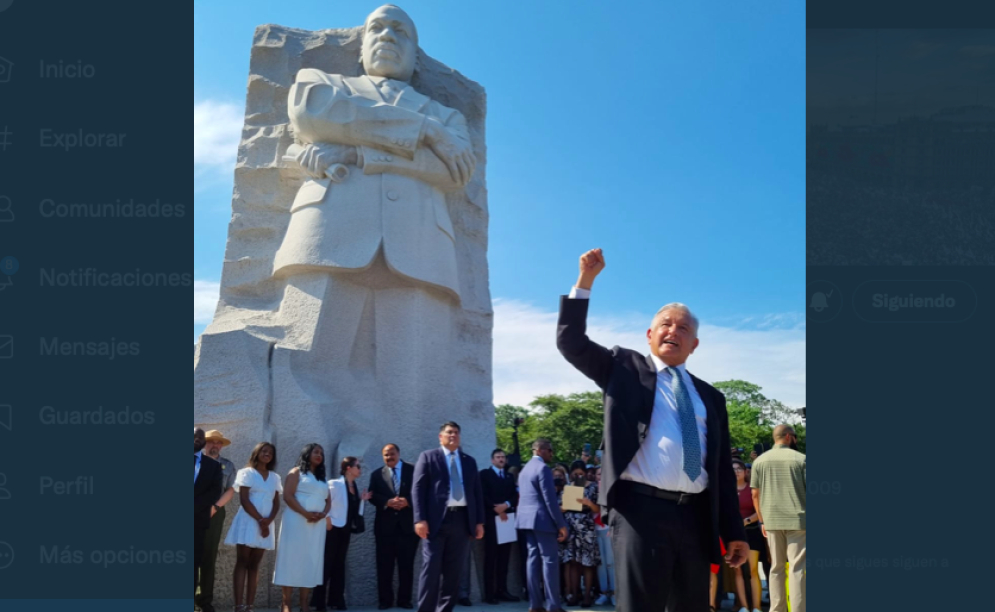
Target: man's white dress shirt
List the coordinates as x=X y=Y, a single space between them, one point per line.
x=659 y=462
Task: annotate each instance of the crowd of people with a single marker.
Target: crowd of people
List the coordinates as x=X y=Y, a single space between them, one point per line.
x=665 y=498
x=853 y=223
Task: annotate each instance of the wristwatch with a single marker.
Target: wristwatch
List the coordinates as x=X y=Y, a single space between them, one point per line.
x=217 y=508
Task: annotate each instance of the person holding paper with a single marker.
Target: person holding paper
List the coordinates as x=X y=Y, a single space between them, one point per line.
x=499 y=500
x=580 y=555
x=540 y=518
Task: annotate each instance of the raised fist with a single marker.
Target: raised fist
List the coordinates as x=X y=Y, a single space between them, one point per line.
x=592 y=263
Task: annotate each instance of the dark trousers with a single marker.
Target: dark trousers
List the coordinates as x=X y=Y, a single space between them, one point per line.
x=198 y=556
x=543 y=570
x=523 y=559
x=443 y=556
x=212 y=539
x=396 y=549
x=496 y=558
x=331 y=591
x=661 y=553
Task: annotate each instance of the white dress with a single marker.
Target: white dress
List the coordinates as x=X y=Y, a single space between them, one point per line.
x=244 y=529
x=301 y=555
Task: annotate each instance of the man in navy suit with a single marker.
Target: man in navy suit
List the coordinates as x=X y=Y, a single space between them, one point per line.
x=540 y=518
x=449 y=512
x=206 y=491
x=667 y=476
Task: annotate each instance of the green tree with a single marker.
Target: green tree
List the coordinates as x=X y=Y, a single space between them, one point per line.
x=569 y=422
x=505 y=415
x=753 y=416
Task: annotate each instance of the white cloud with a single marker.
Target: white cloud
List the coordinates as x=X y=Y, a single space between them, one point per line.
x=205 y=300
x=527 y=364
x=217 y=129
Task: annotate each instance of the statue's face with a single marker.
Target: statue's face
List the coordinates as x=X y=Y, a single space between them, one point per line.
x=390 y=44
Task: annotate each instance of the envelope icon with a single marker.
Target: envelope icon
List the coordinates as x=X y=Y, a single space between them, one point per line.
x=6 y=347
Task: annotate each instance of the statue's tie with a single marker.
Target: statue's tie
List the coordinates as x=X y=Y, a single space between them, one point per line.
x=454 y=480
x=689 y=427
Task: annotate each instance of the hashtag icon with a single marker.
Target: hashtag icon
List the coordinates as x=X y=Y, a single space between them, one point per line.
x=5 y=138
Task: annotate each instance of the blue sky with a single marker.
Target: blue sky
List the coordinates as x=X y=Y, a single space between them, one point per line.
x=669 y=134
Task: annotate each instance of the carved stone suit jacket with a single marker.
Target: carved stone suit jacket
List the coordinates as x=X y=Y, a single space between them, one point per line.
x=395 y=199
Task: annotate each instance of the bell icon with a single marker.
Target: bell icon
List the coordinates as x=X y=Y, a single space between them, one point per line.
x=820 y=301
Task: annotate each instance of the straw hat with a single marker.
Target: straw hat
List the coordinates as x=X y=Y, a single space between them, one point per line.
x=216 y=436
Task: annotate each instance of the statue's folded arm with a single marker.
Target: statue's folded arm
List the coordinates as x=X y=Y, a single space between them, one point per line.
x=321 y=111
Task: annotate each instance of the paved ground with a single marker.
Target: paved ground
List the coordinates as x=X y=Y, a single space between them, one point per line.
x=476 y=607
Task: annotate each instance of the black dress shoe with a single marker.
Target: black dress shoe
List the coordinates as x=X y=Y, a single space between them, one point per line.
x=465 y=601
x=493 y=601
x=383 y=607
x=406 y=606
x=507 y=597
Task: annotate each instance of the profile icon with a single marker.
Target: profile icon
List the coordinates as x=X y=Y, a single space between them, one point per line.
x=6 y=210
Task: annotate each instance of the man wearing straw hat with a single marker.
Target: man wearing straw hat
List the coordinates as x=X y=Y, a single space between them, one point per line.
x=214 y=442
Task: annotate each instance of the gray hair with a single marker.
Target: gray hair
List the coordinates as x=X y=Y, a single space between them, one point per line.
x=680 y=307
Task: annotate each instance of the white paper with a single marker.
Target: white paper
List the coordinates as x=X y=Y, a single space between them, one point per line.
x=506 y=531
x=570 y=496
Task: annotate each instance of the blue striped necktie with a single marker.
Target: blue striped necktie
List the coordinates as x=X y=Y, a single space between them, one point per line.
x=689 y=426
x=455 y=482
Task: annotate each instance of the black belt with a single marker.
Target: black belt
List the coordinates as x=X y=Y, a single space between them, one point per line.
x=680 y=498
x=455 y=508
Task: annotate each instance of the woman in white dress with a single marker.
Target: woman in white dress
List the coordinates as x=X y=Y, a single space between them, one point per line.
x=259 y=489
x=299 y=558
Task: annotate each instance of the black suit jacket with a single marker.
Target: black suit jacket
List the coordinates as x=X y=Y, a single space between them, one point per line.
x=430 y=492
x=628 y=380
x=389 y=521
x=206 y=491
x=496 y=491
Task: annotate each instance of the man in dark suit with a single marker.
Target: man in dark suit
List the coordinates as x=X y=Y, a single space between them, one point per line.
x=449 y=512
x=500 y=498
x=206 y=491
x=394 y=528
x=540 y=519
x=667 y=478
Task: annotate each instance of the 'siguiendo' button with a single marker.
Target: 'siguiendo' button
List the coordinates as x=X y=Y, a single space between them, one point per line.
x=915 y=301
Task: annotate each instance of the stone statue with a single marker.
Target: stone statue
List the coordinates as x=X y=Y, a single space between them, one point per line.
x=370 y=237
x=394 y=152
x=354 y=305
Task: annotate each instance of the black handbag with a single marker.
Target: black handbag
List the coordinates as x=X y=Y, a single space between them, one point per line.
x=359 y=525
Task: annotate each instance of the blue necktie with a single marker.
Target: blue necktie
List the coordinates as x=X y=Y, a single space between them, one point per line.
x=454 y=479
x=689 y=426
x=397 y=481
